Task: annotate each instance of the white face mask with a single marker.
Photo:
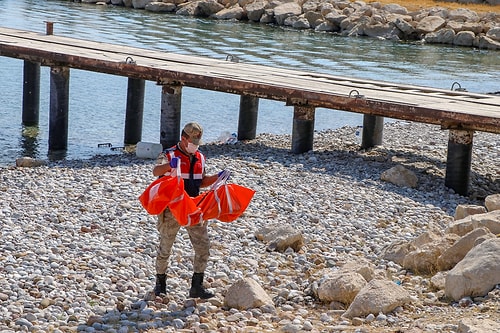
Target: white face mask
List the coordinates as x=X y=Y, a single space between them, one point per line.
x=191 y=148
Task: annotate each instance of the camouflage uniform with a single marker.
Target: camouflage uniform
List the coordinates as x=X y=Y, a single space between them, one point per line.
x=168 y=227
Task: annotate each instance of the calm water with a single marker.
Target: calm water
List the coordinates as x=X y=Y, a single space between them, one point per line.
x=98 y=101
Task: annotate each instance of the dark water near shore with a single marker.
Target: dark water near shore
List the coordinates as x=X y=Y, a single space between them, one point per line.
x=97 y=101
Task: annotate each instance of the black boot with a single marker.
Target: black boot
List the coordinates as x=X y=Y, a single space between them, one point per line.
x=161 y=284
x=197 y=290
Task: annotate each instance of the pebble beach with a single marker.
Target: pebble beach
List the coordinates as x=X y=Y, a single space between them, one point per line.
x=78 y=249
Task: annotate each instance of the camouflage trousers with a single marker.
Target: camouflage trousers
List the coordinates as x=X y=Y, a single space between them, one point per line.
x=168 y=227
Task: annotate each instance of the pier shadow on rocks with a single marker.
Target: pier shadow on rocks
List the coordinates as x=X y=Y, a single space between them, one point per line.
x=364 y=167
x=339 y=159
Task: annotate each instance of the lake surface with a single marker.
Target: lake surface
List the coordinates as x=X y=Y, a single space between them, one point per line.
x=98 y=101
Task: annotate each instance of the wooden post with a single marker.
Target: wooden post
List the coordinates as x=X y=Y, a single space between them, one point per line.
x=134 y=112
x=31 y=93
x=373 y=127
x=170 y=122
x=458 y=163
x=247 y=121
x=59 y=106
x=303 y=129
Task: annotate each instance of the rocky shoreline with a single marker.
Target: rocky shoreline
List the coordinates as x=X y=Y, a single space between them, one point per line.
x=436 y=25
x=78 y=250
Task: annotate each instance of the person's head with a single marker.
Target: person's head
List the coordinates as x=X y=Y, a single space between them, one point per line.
x=191 y=137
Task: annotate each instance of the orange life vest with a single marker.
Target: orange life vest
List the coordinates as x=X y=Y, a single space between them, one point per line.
x=192 y=168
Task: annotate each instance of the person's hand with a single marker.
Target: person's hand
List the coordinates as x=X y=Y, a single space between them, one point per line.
x=224 y=174
x=174 y=162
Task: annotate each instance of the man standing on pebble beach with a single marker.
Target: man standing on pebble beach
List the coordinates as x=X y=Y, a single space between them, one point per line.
x=192 y=166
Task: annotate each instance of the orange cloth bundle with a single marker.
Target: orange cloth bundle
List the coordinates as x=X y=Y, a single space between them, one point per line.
x=224 y=202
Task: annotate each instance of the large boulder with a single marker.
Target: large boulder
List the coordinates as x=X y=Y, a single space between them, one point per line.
x=442 y=36
x=424 y=260
x=160 y=7
x=490 y=220
x=477 y=273
x=209 y=7
x=29 y=162
x=463 y=15
x=395 y=9
x=492 y=202
x=246 y=294
x=341 y=287
x=400 y=176
x=462 y=211
x=140 y=4
x=377 y=296
x=283 y=11
x=430 y=24
x=464 y=38
x=280 y=237
x=233 y=13
x=255 y=10
x=478 y=325
x=460 y=248
x=485 y=42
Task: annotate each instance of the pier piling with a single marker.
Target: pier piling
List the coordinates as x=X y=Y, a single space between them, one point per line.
x=459 y=159
x=247 y=121
x=170 y=122
x=302 y=129
x=134 y=111
x=373 y=127
x=31 y=93
x=59 y=107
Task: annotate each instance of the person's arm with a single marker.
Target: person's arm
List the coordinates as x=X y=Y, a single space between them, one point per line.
x=163 y=165
x=208 y=180
x=161 y=169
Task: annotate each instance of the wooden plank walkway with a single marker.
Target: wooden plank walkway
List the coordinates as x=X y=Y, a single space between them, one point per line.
x=450 y=109
x=460 y=112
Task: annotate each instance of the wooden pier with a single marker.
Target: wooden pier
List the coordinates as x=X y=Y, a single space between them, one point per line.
x=458 y=111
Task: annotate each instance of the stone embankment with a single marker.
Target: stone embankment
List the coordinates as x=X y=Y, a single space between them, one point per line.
x=326 y=245
x=436 y=25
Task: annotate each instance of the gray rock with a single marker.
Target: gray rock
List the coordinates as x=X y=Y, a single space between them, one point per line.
x=160 y=7
x=395 y=9
x=430 y=24
x=281 y=237
x=464 y=38
x=400 y=176
x=140 y=4
x=442 y=36
x=341 y=287
x=245 y=294
x=283 y=11
x=463 y=14
x=478 y=325
x=209 y=7
x=490 y=220
x=233 y=13
x=477 y=273
x=451 y=256
x=492 y=202
x=378 y=296
x=485 y=42
x=462 y=211
x=403 y=25
x=255 y=10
